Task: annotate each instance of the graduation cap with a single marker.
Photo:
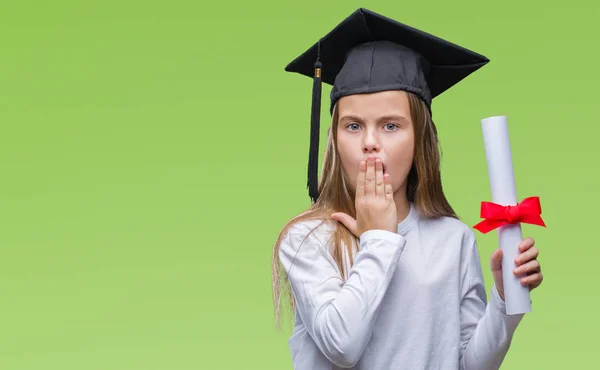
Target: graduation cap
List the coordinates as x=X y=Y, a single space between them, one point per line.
x=367 y=53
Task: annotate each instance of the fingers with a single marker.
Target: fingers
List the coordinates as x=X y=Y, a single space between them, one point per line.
x=370 y=179
x=526 y=256
x=389 y=192
x=360 y=183
x=531 y=266
x=345 y=219
x=496 y=260
x=533 y=280
x=379 y=185
x=526 y=244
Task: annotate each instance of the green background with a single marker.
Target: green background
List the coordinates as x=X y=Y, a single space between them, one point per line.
x=151 y=152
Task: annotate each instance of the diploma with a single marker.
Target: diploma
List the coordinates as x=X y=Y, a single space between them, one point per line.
x=505 y=214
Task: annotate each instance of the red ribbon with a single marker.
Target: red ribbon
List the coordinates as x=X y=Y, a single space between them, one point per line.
x=496 y=215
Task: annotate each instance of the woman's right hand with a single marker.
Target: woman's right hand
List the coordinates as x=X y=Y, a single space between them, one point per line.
x=375 y=206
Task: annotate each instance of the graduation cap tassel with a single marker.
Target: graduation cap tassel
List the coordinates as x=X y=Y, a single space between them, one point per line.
x=315 y=117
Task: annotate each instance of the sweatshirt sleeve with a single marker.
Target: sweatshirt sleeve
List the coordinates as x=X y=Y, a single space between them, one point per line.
x=339 y=315
x=486 y=330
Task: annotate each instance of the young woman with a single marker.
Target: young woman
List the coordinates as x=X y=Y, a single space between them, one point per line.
x=383 y=274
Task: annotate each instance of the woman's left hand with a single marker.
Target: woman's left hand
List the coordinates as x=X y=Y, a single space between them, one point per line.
x=526 y=262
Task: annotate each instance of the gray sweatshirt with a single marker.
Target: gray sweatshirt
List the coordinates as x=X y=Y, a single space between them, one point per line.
x=412 y=300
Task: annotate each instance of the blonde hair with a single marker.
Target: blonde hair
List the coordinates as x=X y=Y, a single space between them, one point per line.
x=336 y=194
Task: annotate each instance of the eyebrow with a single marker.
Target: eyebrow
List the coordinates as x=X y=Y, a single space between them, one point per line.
x=391 y=117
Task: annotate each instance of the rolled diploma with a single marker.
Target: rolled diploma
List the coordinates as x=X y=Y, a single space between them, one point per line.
x=502 y=182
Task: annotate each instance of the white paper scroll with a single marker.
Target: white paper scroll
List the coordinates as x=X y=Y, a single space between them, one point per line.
x=502 y=182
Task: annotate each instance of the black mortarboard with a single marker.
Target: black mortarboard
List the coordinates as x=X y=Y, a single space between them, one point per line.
x=367 y=53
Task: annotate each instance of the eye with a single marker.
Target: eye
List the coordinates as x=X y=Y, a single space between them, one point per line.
x=392 y=124
x=352 y=124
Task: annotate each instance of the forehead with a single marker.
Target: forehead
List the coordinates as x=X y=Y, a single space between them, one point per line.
x=375 y=104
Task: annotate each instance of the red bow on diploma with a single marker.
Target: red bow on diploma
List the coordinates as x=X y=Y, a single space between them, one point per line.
x=528 y=211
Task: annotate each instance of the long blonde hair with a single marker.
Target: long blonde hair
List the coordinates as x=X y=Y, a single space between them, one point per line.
x=336 y=194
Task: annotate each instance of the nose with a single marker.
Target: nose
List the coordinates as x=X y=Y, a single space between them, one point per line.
x=370 y=142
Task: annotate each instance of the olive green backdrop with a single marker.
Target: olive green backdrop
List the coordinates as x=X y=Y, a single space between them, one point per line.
x=151 y=151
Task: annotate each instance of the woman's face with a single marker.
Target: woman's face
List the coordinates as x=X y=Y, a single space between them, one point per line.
x=376 y=125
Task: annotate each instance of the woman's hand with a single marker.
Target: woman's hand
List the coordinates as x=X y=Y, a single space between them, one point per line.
x=526 y=262
x=375 y=205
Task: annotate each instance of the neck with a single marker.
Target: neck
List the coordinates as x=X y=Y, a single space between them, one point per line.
x=402 y=204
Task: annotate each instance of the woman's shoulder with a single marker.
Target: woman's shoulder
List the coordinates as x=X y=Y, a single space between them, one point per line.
x=309 y=225
x=311 y=237
x=320 y=229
